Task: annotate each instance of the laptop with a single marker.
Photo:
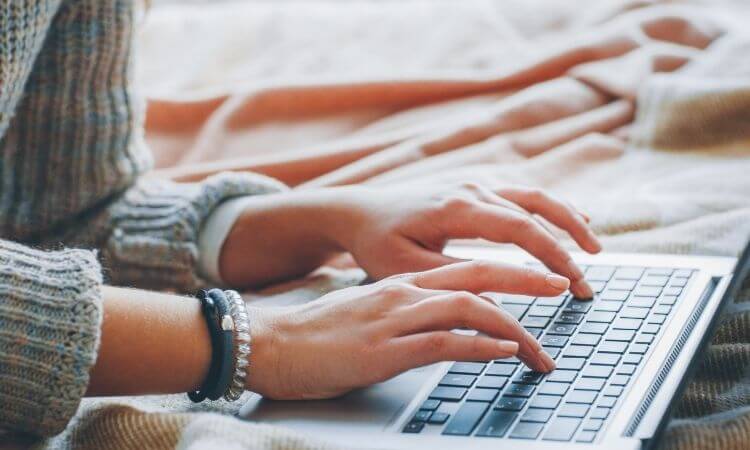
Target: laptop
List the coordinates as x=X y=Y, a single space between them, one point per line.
x=623 y=360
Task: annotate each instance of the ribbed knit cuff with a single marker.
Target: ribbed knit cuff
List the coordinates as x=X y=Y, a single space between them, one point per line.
x=50 y=320
x=155 y=228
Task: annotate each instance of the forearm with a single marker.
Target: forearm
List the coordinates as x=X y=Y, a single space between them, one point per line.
x=151 y=343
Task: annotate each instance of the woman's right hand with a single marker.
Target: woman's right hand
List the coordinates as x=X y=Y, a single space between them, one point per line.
x=363 y=335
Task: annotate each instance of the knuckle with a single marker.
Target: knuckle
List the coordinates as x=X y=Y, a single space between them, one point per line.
x=456 y=203
x=396 y=291
x=462 y=302
x=471 y=186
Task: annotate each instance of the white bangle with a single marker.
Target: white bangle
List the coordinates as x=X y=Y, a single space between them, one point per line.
x=241 y=340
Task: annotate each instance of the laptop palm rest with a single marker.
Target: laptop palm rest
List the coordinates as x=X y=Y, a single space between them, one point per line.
x=370 y=409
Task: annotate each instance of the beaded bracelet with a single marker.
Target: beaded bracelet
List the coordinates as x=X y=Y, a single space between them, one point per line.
x=241 y=345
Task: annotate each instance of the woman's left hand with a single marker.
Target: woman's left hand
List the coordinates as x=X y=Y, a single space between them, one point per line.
x=397 y=229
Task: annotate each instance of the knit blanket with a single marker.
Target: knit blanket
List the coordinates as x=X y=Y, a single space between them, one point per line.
x=636 y=111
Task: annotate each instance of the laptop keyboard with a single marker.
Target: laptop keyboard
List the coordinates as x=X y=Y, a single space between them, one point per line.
x=598 y=346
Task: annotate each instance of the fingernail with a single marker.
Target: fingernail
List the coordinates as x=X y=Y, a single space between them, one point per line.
x=595 y=240
x=547 y=360
x=508 y=347
x=582 y=290
x=557 y=282
x=575 y=271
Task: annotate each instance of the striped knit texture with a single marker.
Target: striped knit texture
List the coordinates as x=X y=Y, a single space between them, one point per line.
x=71 y=157
x=50 y=315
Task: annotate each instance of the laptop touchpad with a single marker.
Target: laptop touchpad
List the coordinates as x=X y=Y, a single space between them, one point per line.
x=373 y=408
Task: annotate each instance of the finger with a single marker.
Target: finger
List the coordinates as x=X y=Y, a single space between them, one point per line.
x=465 y=310
x=557 y=212
x=481 y=276
x=469 y=220
x=412 y=257
x=422 y=349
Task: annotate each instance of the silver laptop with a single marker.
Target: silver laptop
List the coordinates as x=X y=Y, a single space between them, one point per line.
x=622 y=362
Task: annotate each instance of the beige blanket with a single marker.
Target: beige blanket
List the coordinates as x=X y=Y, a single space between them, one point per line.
x=641 y=118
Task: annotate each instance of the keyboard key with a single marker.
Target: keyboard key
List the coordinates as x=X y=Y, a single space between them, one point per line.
x=631 y=358
x=510 y=403
x=683 y=272
x=600 y=317
x=414 y=427
x=627 y=324
x=466 y=419
x=562 y=376
x=578 y=306
x=659 y=271
x=657 y=319
x=668 y=300
x=597 y=372
x=678 y=282
x=650 y=328
x=612 y=347
x=673 y=291
x=599 y=273
x=573 y=410
x=662 y=309
x=438 y=418
x=586 y=339
x=528 y=377
x=619 y=380
x=468 y=368
x=520 y=390
x=620 y=335
x=449 y=394
x=551 y=301
x=654 y=280
x=586 y=436
x=552 y=340
x=600 y=413
x=590 y=384
x=492 y=382
x=605 y=359
x=608 y=306
x=553 y=388
x=578 y=351
x=629 y=273
x=571 y=363
x=562 y=429
x=482 y=395
x=634 y=313
x=496 y=424
x=638 y=349
x=568 y=317
x=422 y=416
x=585 y=397
x=542 y=311
x=516 y=311
x=536 y=415
x=535 y=322
x=621 y=285
x=613 y=391
x=501 y=369
x=593 y=425
x=430 y=405
x=644 y=339
x=607 y=402
x=458 y=380
x=626 y=369
x=612 y=295
x=593 y=328
x=642 y=302
x=526 y=430
x=545 y=401
x=647 y=291
x=553 y=352
x=536 y=332
x=564 y=329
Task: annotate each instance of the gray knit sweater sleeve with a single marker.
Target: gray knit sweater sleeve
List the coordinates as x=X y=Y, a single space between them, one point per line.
x=50 y=314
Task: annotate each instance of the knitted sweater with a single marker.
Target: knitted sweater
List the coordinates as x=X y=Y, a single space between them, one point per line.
x=71 y=159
